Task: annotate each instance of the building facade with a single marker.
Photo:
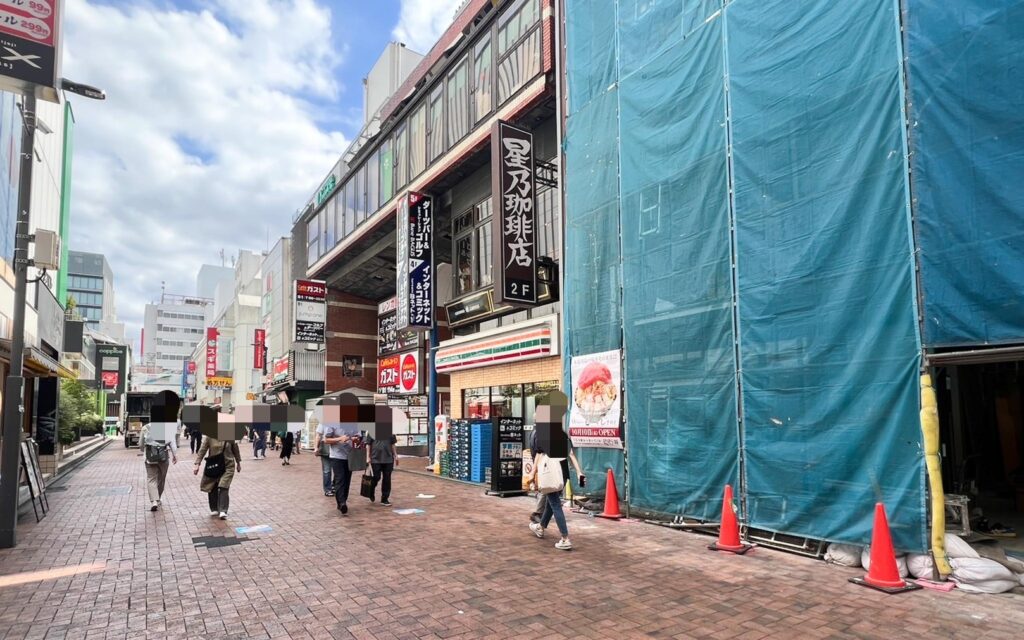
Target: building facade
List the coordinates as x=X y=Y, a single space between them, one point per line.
x=90 y=284
x=435 y=137
x=172 y=329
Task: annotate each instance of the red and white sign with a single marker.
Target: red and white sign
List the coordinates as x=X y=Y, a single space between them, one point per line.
x=31 y=47
x=595 y=416
x=259 y=353
x=109 y=379
x=388 y=368
x=409 y=373
x=33 y=19
x=211 y=352
x=191 y=366
x=280 y=369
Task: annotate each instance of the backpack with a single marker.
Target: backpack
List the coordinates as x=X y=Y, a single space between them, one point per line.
x=156 y=454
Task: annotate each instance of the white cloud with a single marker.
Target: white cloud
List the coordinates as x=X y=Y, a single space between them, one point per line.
x=422 y=22
x=207 y=139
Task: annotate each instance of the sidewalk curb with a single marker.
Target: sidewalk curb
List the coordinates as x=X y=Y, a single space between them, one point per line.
x=25 y=498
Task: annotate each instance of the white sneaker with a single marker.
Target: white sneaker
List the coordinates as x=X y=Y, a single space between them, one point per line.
x=214 y=514
x=223 y=515
x=255 y=457
x=537 y=529
x=154 y=506
x=563 y=544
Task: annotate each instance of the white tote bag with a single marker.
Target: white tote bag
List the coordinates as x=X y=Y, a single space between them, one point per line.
x=549 y=474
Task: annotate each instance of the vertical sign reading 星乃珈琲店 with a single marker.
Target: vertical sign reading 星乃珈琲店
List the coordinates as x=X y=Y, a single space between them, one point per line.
x=514 y=236
x=310 y=311
x=415 y=277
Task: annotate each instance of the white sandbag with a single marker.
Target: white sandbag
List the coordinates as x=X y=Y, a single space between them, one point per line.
x=957 y=547
x=901 y=562
x=920 y=565
x=847 y=555
x=981 y=575
x=997 y=553
x=988 y=586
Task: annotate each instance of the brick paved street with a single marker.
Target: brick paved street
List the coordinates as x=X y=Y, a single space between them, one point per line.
x=467 y=568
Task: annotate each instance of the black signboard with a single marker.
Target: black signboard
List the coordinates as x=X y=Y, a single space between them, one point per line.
x=391 y=340
x=515 y=229
x=507 y=455
x=111 y=367
x=310 y=311
x=415 y=285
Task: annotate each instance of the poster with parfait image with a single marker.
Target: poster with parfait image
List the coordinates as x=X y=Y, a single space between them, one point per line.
x=595 y=412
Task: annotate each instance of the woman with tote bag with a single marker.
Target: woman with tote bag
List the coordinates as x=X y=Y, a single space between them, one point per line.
x=223 y=460
x=549 y=479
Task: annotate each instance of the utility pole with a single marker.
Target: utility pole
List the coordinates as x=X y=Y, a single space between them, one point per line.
x=14 y=390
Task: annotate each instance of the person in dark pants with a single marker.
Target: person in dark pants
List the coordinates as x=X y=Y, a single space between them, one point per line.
x=340 y=442
x=382 y=458
x=287 y=443
x=195 y=438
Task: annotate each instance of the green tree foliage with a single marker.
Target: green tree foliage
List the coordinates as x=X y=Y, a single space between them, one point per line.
x=76 y=410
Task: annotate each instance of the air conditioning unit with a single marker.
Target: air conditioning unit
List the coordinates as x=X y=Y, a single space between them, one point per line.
x=47 y=254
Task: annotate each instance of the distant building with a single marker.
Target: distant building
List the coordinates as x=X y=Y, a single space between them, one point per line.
x=209 y=277
x=171 y=330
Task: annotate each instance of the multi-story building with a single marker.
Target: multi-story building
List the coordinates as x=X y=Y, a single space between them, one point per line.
x=44 y=312
x=171 y=331
x=223 y=361
x=434 y=136
x=209 y=278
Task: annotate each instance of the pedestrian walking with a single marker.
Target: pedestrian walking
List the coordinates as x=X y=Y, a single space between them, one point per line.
x=538 y=510
x=273 y=442
x=382 y=457
x=259 y=446
x=552 y=499
x=287 y=443
x=322 y=450
x=341 y=439
x=158 y=456
x=223 y=460
x=195 y=437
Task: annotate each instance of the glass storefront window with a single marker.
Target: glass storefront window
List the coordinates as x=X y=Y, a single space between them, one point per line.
x=373 y=184
x=358 y=197
x=516 y=400
x=532 y=394
x=418 y=142
x=476 y=403
x=435 y=128
x=482 y=80
x=350 y=206
x=329 y=216
x=313 y=240
x=483 y=261
x=387 y=172
x=464 y=265
x=401 y=159
x=458 y=103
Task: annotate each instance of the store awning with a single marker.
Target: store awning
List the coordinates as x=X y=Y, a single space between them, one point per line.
x=37 y=362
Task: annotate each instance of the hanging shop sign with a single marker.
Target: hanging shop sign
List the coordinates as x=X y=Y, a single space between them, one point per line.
x=219 y=382
x=191 y=366
x=30 y=37
x=389 y=338
x=113 y=365
x=515 y=232
x=280 y=369
x=595 y=411
x=522 y=341
x=400 y=373
x=388 y=373
x=259 y=354
x=480 y=305
x=415 y=279
x=507 y=455
x=310 y=298
x=211 y=352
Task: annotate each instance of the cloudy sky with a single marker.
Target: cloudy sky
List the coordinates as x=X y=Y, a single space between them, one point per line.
x=221 y=118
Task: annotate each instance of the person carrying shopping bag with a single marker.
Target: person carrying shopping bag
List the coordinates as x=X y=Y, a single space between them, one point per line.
x=223 y=460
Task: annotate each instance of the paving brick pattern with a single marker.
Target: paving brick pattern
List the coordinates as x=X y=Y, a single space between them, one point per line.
x=467 y=568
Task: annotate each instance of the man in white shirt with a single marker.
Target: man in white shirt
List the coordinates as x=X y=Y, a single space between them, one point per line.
x=159 y=451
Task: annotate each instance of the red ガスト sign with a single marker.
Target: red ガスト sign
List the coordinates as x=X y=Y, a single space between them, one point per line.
x=388 y=373
x=410 y=373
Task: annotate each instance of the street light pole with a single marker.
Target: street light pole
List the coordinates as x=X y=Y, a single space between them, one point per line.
x=14 y=390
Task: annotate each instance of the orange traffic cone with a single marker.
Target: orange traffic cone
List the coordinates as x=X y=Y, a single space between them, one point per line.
x=729 y=531
x=611 y=499
x=883 y=573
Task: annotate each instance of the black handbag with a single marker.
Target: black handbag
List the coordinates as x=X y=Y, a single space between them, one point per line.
x=215 y=466
x=366 y=487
